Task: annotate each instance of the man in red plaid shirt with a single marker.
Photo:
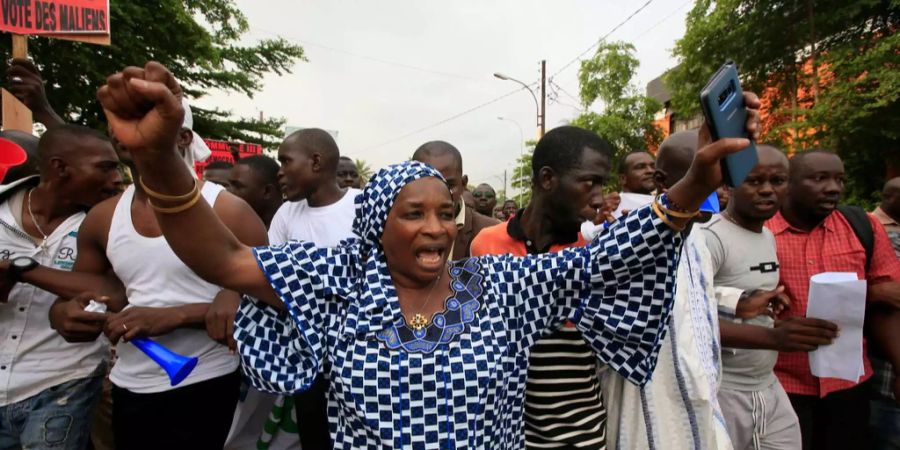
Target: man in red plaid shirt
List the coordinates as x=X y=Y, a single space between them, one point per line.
x=812 y=237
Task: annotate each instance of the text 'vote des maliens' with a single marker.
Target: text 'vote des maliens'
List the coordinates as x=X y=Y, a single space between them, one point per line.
x=55 y=16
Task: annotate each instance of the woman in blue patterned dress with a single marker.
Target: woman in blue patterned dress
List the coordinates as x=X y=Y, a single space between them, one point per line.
x=420 y=353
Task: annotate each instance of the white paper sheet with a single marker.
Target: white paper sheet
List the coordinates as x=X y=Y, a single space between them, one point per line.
x=838 y=297
x=630 y=202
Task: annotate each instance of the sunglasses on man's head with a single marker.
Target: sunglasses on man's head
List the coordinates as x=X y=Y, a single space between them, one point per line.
x=482 y=194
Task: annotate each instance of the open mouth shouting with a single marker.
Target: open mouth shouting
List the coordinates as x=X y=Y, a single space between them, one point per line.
x=431 y=257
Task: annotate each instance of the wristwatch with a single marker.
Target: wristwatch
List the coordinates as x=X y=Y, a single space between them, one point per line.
x=20 y=265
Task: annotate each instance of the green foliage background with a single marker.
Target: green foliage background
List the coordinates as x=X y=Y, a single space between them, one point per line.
x=829 y=69
x=627 y=115
x=198 y=40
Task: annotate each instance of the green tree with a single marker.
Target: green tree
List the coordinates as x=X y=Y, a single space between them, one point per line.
x=626 y=120
x=522 y=175
x=364 y=171
x=827 y=70
x=198 y=40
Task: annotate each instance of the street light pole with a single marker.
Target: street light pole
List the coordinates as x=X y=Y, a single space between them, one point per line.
x=543 y=95
x=498 y=178
x=521 y=135
x=521 y=152
x=537 y=105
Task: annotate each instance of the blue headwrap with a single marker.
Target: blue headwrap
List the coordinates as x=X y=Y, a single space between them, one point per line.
x=372 y=305
x=377 y=198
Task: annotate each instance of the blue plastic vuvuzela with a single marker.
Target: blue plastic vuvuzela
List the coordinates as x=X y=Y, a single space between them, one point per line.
x=711 y=204
x=177 y=366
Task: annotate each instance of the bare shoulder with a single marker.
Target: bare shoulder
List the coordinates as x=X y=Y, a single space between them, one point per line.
x=226 y=202
x=240 y=218
x=230 y=207
x=106 y=207
x=98 y=221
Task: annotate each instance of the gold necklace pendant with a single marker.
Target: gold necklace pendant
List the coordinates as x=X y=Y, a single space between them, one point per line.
x=418 y=322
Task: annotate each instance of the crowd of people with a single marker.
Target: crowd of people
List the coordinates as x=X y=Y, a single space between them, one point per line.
x=411 y=311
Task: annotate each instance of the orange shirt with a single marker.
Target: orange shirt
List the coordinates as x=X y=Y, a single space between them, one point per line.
x=496 y=240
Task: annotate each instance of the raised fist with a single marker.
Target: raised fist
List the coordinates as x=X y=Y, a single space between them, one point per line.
x=143 y=108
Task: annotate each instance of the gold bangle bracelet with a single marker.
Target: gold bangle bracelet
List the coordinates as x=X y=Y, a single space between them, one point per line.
x=665 y=220
x=676 y=213
x=177 y=209
x=170 y=198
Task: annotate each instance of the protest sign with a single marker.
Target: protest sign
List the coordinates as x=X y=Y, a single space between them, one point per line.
x=55 y=18
x=76 y=20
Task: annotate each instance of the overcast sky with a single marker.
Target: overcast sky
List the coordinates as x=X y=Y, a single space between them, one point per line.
x=378 y=72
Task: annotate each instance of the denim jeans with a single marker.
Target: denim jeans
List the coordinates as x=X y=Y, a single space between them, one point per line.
x=57 y=418
x=885 y=424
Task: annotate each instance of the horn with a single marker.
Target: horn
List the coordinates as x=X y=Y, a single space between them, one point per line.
x=711 y=204
x=177 y=366
x=11 y=155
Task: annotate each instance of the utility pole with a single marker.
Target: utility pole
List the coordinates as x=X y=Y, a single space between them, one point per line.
x=543 y=96
x=505 y=192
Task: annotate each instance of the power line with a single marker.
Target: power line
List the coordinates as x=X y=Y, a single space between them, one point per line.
x=405 y=66
x=602 y=38
x=635 y=39
x=560 y=89
x=553 y=97
x=669 y=16
x=441 y=122
x=556 y=101
x=370 y=58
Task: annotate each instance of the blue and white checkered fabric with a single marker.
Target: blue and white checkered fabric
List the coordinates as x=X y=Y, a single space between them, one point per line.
x=467 y=390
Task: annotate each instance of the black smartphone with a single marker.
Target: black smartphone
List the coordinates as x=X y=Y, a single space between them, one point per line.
x=722 y=101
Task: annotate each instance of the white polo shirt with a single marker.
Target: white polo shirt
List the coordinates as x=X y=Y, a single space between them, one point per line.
x=33 y=356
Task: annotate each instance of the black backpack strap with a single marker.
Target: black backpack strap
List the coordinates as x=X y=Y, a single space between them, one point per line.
x=862 y=227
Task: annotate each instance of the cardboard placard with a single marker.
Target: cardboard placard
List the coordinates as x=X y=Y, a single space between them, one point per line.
x=55 y=17
x=16 y=116
x=75 y=20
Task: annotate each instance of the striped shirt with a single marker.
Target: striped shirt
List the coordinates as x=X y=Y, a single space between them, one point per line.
x=563 y=402
x=563 y=405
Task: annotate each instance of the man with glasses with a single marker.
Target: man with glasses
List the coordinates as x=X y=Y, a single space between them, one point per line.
x=485 y=199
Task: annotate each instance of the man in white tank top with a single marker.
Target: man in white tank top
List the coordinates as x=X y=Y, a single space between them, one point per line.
x=48 y=386
x=168 y=302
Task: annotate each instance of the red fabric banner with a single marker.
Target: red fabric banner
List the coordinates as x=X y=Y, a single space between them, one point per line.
x=224 y=151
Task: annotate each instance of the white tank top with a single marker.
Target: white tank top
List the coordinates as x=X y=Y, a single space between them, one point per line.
x=154 y=277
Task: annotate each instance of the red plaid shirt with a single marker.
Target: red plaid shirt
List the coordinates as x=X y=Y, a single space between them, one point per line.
x=832 y=246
